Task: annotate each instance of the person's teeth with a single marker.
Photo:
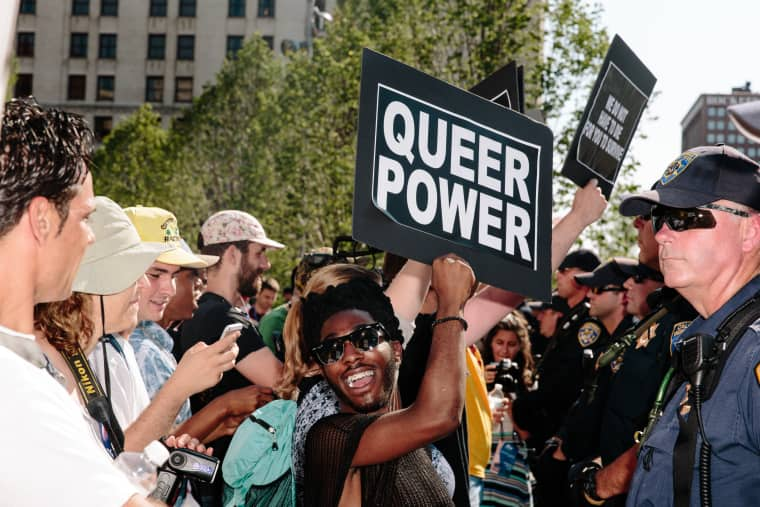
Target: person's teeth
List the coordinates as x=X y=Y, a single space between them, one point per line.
x=358 y=376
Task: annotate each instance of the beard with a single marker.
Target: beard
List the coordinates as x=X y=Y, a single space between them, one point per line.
x=390 y=374
x=249 y=281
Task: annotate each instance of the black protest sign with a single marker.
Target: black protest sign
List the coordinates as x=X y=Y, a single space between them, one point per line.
x=441 y=170
x=503 y=87
x=609 y=122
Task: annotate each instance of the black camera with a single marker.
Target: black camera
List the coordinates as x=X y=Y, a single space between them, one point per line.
x=507 y=374
x=183 y=464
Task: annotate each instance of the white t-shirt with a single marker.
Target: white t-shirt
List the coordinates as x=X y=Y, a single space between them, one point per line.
x=129 y=397
x=49 y=455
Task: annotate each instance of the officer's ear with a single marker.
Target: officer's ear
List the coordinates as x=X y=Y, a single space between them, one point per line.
x=751 y=233
x=40 y=216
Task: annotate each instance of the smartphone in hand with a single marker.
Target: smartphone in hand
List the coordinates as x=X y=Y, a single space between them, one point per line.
x=230 y=328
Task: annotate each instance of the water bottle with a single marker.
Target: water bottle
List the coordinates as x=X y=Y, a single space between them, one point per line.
x=141 y=467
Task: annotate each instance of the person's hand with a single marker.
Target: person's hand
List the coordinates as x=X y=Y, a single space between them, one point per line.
x=490 y=372
x=453 y=281
x=589 y=203
x=245 y=400
x=186 y=441
x=202 y=365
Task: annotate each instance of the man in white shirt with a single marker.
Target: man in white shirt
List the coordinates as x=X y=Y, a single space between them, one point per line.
x=46 y=196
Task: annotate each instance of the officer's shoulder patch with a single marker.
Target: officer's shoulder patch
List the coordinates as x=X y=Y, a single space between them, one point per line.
x=589 y=333
x=757 y=373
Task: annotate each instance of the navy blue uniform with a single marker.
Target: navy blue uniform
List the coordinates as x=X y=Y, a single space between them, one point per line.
x=732 y=423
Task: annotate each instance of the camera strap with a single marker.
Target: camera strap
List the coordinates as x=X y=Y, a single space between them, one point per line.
x=732 y=327
x=97 y=403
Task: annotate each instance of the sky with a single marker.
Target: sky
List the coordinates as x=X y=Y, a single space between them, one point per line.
x=692 y=47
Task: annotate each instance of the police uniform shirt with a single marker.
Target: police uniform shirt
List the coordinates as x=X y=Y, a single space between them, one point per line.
x=580 y=432
x=732 y=423
x=560 y=375
x=633 y=386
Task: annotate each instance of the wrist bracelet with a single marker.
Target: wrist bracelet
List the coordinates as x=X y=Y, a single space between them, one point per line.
x=448 y=319
x=589 y=485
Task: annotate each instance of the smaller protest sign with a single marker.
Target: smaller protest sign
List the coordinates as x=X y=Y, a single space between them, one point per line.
x=610 y=119
x=503 y=87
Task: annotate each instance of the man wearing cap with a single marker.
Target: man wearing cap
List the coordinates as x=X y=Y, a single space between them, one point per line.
x=540 y=412
x=151 y=343
x=607 y=317
x=548 y=315
x=47 y=197
x=239 y=240
x=704 y=213
x=113 y=275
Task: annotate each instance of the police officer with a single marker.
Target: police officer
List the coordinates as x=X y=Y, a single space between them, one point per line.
x=704 y=214
x=559 y=372
x=607 y=317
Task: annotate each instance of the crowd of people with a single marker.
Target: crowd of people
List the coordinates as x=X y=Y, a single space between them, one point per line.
x=410 y=385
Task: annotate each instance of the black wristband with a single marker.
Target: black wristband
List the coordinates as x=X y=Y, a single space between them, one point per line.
x=589 y=484
x=448 y=319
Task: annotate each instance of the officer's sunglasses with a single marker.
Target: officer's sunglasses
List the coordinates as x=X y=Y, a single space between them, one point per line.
x=609 y=288
x=690 y=218
x=363 y=338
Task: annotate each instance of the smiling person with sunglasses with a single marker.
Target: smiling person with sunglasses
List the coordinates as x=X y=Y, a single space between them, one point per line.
x=369 y=453
x=704 y=214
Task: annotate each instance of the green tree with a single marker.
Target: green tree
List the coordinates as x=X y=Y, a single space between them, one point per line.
x=277 y=136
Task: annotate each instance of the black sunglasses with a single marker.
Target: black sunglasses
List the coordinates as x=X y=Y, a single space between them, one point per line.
x=689 y=218
x=609 y=288
x=363 y=338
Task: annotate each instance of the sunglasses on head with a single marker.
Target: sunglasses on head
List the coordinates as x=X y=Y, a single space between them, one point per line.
x=363 y=338
x=689 y=218
x=609 y=288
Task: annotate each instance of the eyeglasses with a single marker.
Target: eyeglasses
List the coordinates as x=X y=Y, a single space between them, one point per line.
x=363 y=338
x=609 y=288
x=690 y=218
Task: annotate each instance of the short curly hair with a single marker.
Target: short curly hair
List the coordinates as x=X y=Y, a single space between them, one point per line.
x=43 y=153
x=356 y=294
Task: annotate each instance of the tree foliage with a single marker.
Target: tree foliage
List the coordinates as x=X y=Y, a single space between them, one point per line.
x=276 y=136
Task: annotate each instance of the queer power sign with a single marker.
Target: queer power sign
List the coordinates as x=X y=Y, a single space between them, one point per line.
x=441 y=170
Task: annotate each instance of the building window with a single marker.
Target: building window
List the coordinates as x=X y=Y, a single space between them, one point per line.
x=731 y=139
x=158 y=8
x=236 y=8
x=103 y=127
x=721 y=111
x=185 y=47
x=109 y=7
x=720 y=138
x=710 y=138
x=183 y=89
x=107 y=47
x=187 y=8
x=28 y=7
x=25 y=44
x=23 y=86
x=751 y=152
x=234 y=43
x=105 y=88
x=740 y=139
x=711 y=125
x=269 y=39
x=154 y=89
x=78 y=46
x=266 y=8
x=720 y=125
x=730 y=126
x=156 y=46
x=77 y=86
x=80 y=7
x=710 y=111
